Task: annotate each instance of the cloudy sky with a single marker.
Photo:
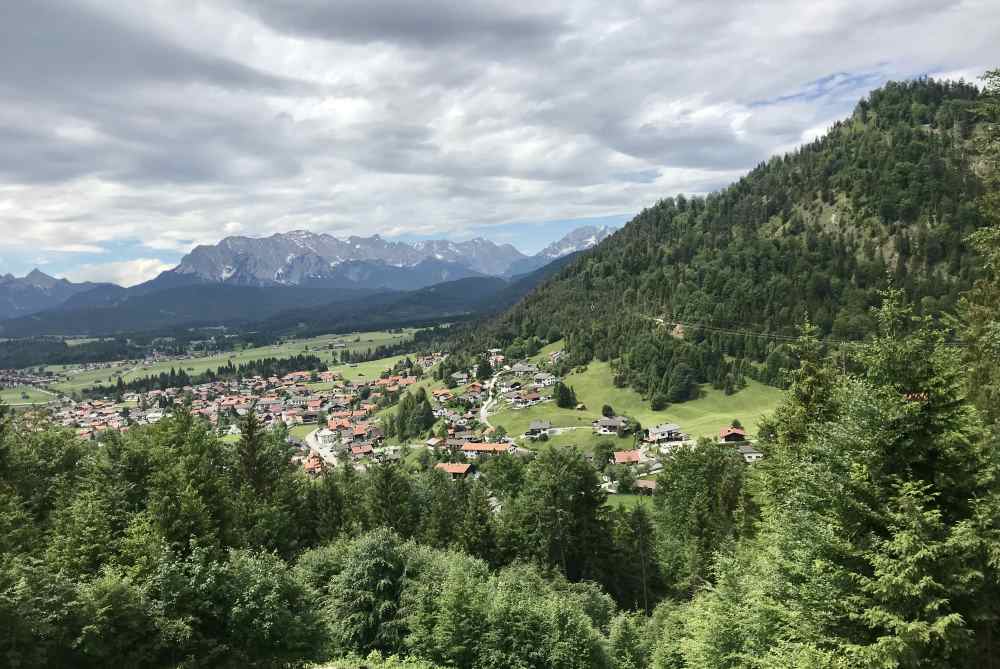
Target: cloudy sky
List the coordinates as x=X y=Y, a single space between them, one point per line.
x=132 y=131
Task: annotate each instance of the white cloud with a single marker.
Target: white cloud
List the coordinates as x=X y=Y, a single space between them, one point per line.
x=124 y=272
x=173 y=123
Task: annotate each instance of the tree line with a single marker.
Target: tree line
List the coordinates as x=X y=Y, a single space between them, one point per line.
x=178 y=378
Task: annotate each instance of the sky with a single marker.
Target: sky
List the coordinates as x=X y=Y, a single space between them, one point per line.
x=131 y=132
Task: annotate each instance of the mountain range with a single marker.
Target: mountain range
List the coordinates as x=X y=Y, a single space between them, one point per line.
x=301 y=257
x=37 y=291
x=249 y=279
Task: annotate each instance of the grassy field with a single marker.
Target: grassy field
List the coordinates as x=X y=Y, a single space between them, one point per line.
x=300 y=431
x=628 y=501
x=543 y=354
x=24 y=395
x=594 y=388
x=318 y=346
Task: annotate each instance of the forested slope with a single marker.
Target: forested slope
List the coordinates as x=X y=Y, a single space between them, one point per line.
x=886 y=196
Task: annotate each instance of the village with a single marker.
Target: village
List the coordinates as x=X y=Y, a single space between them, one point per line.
x=336 y=421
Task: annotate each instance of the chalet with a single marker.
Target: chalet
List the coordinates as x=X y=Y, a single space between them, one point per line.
x=524 y=368
x=645 y=486
x=664 y=432
x=612 y=425
x=632 y=457
x=749 y=453
x=510 y=387
x=361 y=451
x=313 y=465
x=434 y=442
x=460 y=378
x=732 y=435
x=526 y=400
x=473 y=450
x=360 y=432
x=538 y=428
x=441 y=394
x=544 y=380
x=455 y=470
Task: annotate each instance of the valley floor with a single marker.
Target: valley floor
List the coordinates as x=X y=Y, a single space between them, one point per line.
x=318 y=346
x=594 y=388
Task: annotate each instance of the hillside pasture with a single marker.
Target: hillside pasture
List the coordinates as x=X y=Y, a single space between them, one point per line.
x=594 y=388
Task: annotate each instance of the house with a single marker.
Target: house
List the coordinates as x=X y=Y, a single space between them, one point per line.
x=460 y=378
x=474 y=450
x=360 y=432
x=434 y=442
x=612 y=425
x=628 y=457
x=455 y=470
x=732 y=435
x=362 y=451
x=664 y=432
x=538 y=428
x=327 y=437
x=544 y=380
x=314 y=464
x=524 y=368
x=645 y=486
x=749 y=453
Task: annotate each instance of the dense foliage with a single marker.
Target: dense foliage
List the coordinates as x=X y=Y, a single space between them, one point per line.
x=886 y=196
x=868 y=536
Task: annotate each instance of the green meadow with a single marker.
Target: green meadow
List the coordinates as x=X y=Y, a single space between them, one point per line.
x=318 y=346
x=594 y=388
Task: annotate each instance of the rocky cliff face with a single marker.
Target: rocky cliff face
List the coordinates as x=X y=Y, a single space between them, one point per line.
x=297 y=257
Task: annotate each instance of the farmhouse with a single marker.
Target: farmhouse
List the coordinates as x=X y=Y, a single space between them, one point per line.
x=749 y=453
x=456 y=470
x=645 y=486
x=538 y=428
x=612 y=425
x=628 y=457
x=474 y=450
x=544 y=380
x=524 y=368
x=732 y=435
x=664 y=432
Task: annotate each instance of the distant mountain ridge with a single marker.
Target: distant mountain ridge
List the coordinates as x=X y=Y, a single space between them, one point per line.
x=299 y=269
x=301 y=257
x=577 y=240
x=37 y=291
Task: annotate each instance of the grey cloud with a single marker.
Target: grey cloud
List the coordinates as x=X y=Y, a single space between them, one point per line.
x=362 y=117
x=426 y=24
x=48 y=46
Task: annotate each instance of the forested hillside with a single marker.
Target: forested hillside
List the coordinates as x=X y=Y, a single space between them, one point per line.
x=887 y=196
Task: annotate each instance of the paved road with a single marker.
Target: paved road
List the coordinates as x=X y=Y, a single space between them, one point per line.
x=484 y=411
